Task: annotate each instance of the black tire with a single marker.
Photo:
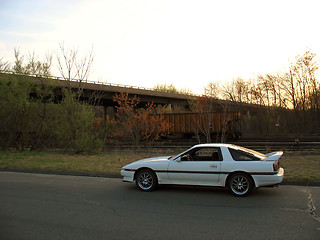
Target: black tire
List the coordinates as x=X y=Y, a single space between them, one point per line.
x=146 y=180
x=240 y=184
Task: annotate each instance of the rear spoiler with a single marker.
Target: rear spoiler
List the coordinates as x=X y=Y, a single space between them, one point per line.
x=273 y=156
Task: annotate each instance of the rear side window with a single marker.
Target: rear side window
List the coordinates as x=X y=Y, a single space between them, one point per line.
x=239 y=155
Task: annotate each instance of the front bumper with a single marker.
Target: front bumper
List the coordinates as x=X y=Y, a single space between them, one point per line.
x=128 y=176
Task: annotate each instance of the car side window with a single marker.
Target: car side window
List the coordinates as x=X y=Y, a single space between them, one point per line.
x=203 y=154
x=239 y=155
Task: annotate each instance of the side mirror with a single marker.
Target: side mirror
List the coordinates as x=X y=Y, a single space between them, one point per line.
x=178 y=159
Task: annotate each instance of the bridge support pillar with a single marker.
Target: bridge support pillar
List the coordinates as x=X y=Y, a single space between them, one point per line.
x=107 y=111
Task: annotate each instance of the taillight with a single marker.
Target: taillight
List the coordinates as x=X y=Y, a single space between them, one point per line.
x=276 y=166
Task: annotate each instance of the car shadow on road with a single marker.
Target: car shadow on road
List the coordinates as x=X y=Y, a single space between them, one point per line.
x=206 y=190
x=193 y=189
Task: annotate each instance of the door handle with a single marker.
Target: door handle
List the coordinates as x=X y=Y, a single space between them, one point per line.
x=213 y=165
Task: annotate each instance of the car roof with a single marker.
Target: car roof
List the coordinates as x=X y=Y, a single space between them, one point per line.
x=213 y=145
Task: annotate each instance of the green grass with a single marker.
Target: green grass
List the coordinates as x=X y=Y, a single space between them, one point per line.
x=298 y=166
x=301 y=166
x=102 y=163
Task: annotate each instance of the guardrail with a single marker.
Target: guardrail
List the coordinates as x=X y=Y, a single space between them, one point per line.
x=92 y=82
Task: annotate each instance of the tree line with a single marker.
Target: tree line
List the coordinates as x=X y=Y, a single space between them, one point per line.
x=297 y=88
x=289 y=101
x=284 y=104
x=45 y=115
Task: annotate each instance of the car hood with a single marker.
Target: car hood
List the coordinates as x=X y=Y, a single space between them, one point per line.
x=155 y=163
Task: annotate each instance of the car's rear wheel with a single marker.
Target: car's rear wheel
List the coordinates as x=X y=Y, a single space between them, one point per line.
x=240 y=184
x=146 y=180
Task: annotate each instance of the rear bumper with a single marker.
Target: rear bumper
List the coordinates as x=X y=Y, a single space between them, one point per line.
x=269 y=180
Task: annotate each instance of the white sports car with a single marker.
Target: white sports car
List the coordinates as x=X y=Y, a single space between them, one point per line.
x=223 y=165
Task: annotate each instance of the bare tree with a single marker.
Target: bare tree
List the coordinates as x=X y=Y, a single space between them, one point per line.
x=4 y=65
x=212 y=114
x=83 y=66
x=66 y=62
x=73 y=67
x=236 y=90
x=276 y=89
x=305 y=70
x=18 y=64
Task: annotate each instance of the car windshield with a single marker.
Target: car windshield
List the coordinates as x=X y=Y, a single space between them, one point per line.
x=250 y=151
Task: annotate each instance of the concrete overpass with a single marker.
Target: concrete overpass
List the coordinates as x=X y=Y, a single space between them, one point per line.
x=104 y=92
x=101 y=93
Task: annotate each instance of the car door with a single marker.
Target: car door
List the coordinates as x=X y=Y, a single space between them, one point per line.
x=199 y=166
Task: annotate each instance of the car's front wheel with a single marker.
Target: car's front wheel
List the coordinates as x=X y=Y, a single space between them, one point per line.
x=240 y=184
x=146 y=180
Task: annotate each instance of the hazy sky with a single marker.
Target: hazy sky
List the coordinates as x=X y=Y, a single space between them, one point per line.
x=180 y=42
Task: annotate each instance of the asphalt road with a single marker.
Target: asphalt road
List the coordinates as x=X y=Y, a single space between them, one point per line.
x=39 y=206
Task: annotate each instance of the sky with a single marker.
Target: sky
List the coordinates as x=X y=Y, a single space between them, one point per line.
x=187 y=43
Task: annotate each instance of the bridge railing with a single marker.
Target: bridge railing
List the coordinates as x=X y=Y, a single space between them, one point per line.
x=92 y=82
